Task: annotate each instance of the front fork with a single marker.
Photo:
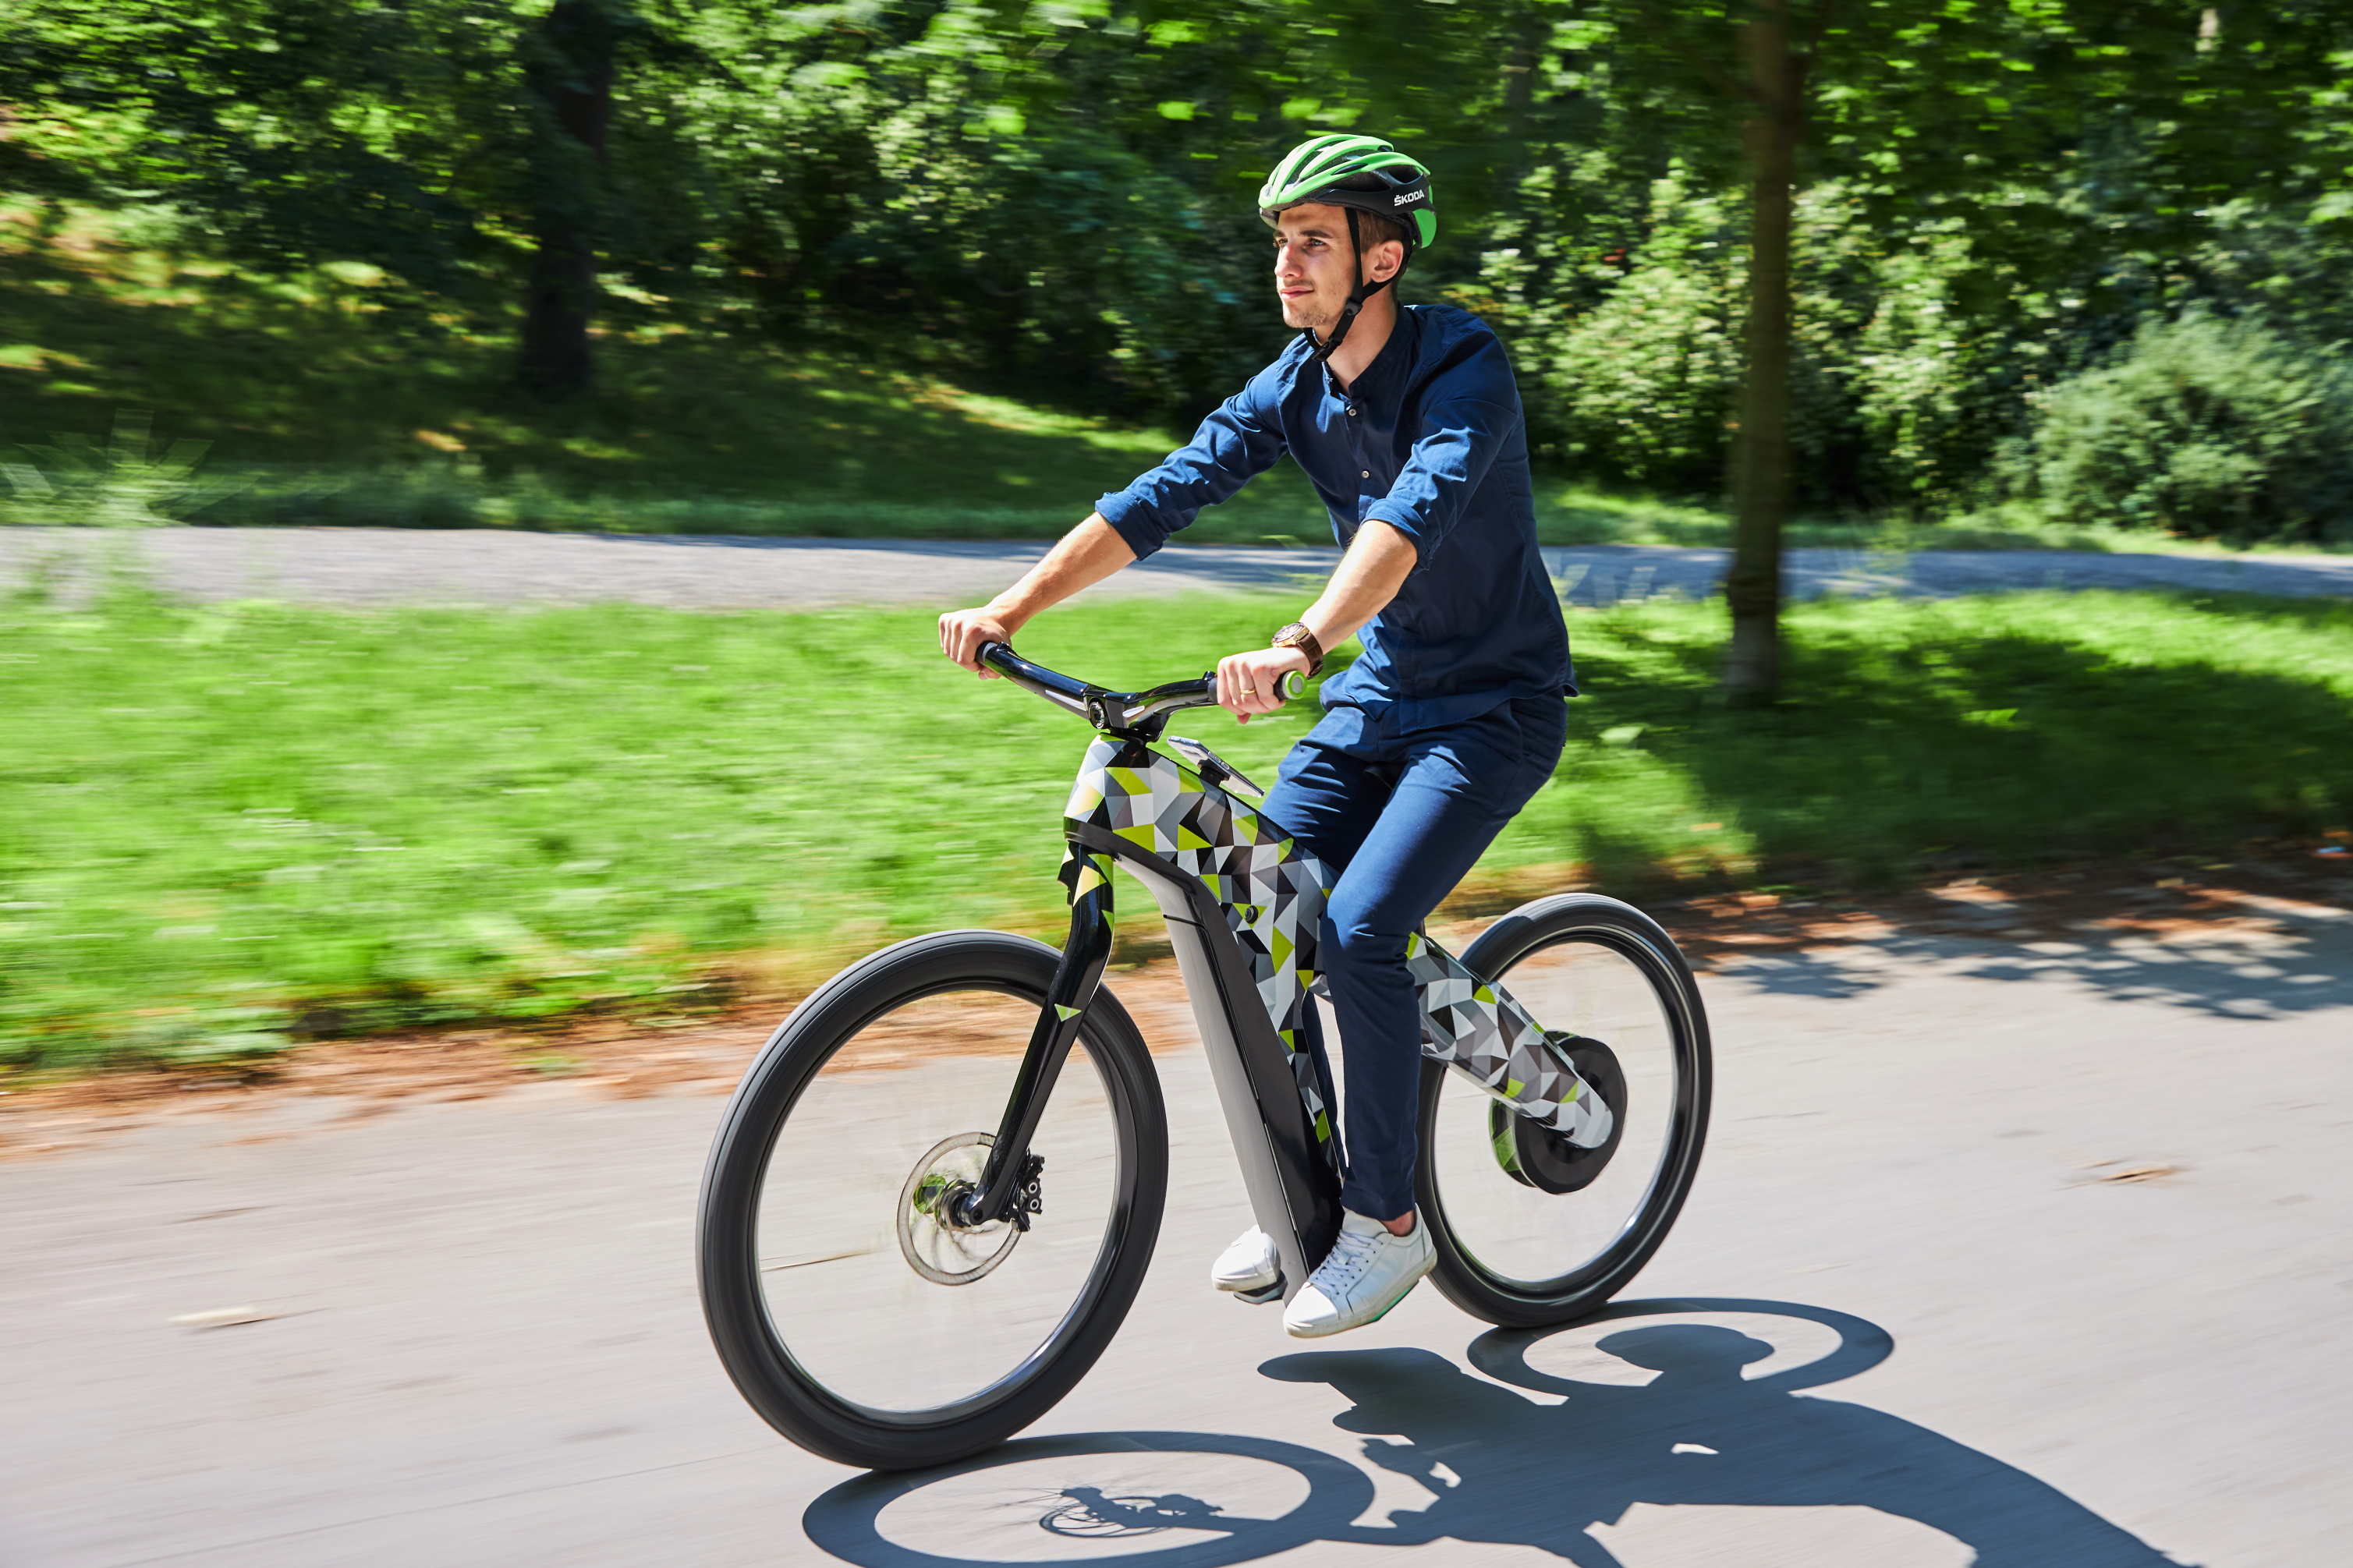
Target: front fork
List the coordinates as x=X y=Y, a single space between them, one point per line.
x=1009 y=1169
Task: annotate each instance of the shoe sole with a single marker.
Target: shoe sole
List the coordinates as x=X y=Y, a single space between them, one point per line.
x=1246 y=1287
x=1322 y=1334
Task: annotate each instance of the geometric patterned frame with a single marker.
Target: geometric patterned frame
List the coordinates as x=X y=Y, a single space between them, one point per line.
x=1273 y=893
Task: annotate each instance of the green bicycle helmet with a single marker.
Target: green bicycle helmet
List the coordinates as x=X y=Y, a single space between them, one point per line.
x=1311 y=172
x=1354 y=173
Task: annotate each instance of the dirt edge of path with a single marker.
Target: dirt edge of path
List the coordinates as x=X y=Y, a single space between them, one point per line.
x=2088 y=908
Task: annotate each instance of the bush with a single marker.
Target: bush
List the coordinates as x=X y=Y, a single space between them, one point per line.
x=1938 y=386
x=123 y=484
x=2203 y=427
x=1630 y=365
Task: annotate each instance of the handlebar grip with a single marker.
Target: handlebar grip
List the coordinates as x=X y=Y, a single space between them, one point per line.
x=1293 y=684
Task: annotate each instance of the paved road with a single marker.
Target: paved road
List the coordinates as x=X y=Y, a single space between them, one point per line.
x=488 y=1351
x=375 y=566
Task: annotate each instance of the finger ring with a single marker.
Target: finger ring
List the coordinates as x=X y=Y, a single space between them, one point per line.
x=1250 y=690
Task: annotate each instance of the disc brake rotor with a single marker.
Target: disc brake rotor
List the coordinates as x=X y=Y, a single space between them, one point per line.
x=943 y=1253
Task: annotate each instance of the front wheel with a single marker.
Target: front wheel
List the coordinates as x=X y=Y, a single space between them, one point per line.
x=852 y=1309
x=1529 y=1230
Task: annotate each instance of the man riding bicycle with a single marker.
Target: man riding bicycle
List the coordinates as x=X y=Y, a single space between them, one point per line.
x=1408 y=421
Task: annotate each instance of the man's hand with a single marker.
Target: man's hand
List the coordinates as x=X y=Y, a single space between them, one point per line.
x=963 y=632
x=1249 y=682
x=1088 y=554
x=1377 y=562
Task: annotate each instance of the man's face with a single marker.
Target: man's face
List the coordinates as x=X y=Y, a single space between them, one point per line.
x=1311 y=264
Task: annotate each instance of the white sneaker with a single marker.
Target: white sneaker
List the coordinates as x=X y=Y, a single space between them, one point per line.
x=1367 y=1272
x=1249 y=1264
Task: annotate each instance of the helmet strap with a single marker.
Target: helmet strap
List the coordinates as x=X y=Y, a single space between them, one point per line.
x=1326 y=347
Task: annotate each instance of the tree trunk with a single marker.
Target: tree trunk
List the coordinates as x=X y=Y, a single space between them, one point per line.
x=1761 y=465
x=569 y=77
x=1519 y=80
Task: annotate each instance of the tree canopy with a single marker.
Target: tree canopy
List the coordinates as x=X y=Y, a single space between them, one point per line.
x=1843 y=250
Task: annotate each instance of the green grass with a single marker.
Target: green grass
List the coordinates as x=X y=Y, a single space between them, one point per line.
x=223 y=828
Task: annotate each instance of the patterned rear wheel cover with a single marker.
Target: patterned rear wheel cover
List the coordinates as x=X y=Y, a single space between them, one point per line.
x=1536 y=1156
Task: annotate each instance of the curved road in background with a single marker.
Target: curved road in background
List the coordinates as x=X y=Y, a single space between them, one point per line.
x=497 y=566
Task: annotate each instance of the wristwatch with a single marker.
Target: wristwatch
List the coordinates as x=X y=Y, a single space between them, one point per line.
x=1296 y=634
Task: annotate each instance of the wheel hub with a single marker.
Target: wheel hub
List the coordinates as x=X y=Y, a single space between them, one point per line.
x=1533 y=1155
x=934 y=1235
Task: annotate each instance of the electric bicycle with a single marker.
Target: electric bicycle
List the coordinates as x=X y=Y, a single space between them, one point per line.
x=935 y=1192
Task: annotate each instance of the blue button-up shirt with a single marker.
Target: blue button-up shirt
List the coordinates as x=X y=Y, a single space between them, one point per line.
x=1431 y=441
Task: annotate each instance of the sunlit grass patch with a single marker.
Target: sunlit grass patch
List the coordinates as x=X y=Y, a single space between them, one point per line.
x=224 y=828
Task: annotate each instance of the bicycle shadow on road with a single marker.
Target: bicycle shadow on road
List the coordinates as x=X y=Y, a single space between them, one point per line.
x=1506 y=1469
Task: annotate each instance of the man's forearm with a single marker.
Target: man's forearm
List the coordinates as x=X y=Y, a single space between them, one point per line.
x=1088 y=554
x=1377 y=562
x=1082 y=558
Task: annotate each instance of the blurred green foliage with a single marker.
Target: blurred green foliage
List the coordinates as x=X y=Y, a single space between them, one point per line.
x=312 y=423
x=1051 y=203
x=124 y=483
x=315 y=419
x=2206 y=425
x=225 y=827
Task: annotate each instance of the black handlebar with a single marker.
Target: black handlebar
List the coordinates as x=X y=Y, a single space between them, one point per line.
x=1140 y=714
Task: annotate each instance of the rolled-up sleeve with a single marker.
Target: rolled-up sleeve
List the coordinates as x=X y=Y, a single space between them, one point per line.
x=1242 y=437
x=1458 y=442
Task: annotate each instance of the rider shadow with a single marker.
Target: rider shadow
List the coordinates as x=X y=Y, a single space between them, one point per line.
x=1699 y=1433
x=1509 y=1469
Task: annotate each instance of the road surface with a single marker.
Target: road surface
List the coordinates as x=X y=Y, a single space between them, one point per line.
x=2044 y=1233
x=385 y=566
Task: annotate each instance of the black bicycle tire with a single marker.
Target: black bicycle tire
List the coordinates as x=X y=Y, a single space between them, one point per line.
x=726 y=1258
x=1526 y=929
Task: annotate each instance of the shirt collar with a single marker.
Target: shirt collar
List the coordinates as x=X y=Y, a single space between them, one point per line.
x=1388 y=365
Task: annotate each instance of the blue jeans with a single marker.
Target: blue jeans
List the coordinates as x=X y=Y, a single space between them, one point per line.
x=1398 y=819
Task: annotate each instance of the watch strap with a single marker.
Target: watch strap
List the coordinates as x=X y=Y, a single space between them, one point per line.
x=1296 y=634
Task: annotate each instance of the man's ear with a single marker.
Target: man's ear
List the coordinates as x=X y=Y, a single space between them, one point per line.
x=1385 y=260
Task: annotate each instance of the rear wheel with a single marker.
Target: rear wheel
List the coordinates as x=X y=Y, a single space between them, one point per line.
x=1529 y=1229
x=851 y=1310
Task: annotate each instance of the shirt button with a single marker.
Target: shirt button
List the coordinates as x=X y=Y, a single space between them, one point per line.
x=1352 y=411
x=1364 y=474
